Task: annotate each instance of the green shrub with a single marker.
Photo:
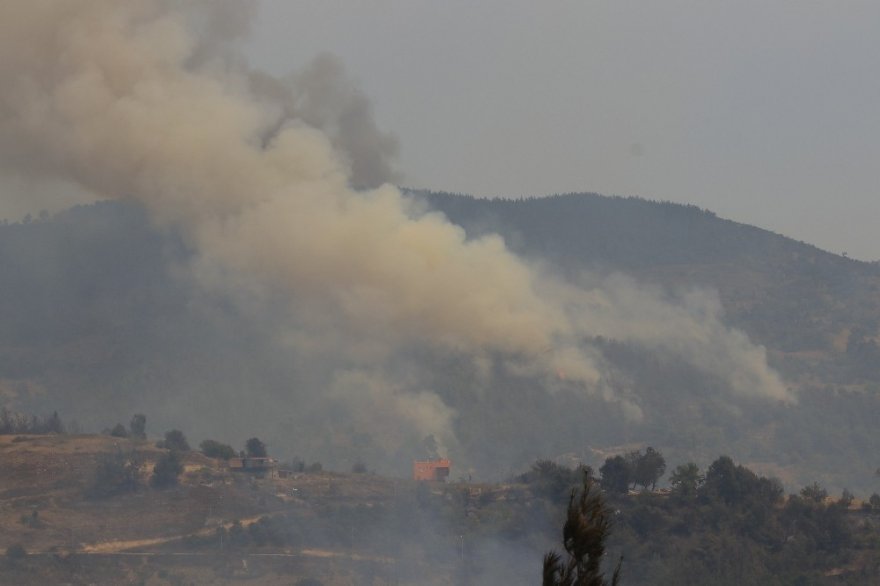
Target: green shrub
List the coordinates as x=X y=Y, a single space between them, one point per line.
x=167 y=469
x=174 y=440
x=215 y=449
x=116 y=473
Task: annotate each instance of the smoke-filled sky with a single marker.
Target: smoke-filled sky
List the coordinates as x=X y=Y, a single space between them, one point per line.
x=280 y=186
x=765 y=112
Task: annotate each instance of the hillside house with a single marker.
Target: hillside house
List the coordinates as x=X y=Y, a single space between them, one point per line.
x=253 y=465
x=432 y=470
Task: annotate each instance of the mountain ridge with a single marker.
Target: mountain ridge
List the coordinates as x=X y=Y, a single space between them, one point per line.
x=103 y=318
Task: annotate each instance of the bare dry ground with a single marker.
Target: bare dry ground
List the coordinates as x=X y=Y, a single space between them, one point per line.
x=50 y=475
x=141 y=537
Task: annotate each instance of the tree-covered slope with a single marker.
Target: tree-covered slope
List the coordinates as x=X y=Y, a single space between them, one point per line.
x=101 y=318
x=790 y=296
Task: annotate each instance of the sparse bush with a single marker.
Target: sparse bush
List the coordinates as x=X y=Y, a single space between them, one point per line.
x=32 y=520
x=167 y=470
x=119 y=431
x=309 y=582
x=116 y=473
x=16 y=551
x=814 y=492
x=215 y=449
x=359 y=468
x=550 y=480
x=314 y=467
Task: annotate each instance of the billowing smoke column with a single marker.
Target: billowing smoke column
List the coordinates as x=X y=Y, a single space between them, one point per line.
x=144 y=99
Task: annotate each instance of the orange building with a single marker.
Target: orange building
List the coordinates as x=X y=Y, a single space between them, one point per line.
x=437 y=470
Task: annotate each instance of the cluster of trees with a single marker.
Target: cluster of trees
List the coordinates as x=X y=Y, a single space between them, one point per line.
x=253 y=448
x=620 y=473
x=120 y=472
x=736 y=527
x=214 y=449
x=12 y=422
x=724 y=525
x=550 y=480
x=117 y=472
x=175 y=441
x=137 y=428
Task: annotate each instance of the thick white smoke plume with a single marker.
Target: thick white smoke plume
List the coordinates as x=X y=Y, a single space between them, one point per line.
x=144 y=99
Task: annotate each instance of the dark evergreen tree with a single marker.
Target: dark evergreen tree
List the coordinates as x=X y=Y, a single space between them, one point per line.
x=648 y=469
x=548 y=479
x=215 y=449
x=615 y=475
x=138 y=426
x=256 y=448
x=167 y=470
x=587 y=527
x=686 y=479
x=174 y=441
x=54 y=424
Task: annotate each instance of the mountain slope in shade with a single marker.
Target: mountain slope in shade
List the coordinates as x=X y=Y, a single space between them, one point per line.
x=102 y=319
x=798 y=300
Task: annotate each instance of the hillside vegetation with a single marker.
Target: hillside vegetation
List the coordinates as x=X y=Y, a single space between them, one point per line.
x=103 y=317
x=790 y=296
x=721 y=525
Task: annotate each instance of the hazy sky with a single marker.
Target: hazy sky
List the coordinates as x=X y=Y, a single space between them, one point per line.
x=763 y=111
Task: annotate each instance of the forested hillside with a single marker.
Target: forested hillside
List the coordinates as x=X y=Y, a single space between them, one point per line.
x=103 y=317
x=788 y=295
